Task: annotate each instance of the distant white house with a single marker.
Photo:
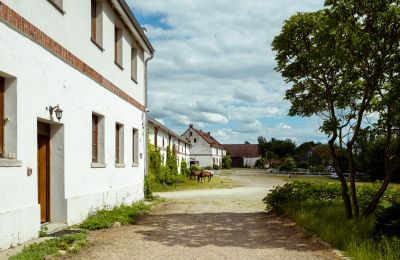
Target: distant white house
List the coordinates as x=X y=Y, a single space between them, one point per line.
x=72 y=112
x=206 y=150
x=162 y=137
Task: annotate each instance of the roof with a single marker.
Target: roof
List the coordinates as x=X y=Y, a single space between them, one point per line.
x=243 y=150
x=208 y=138
x=166 y=129
x=128 y=11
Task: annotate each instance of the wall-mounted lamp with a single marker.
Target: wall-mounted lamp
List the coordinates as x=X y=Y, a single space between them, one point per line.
x=57 y=110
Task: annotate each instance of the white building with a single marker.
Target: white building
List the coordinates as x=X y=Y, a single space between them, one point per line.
x=162 y=137
x=86 y=58
x=205 y=149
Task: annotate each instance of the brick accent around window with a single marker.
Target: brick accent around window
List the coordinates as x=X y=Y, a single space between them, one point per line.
x=20 y=24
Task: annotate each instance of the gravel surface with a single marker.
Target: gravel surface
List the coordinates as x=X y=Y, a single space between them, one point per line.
x=210 y=224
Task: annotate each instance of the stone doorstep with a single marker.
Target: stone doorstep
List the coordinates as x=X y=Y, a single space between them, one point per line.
x=52 y=228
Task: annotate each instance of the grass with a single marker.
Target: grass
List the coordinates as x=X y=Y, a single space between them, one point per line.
x=38 y=251
x=356 y=237
x=216 y=182
x=105 y=218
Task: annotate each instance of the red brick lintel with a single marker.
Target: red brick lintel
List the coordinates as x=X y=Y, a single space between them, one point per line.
x=20 y=24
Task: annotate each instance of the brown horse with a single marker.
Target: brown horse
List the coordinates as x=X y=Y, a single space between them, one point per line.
x=207 y=174
x=195 y=174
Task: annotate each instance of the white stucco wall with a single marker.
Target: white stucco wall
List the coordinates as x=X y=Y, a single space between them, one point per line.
x=201 y=150
x=250 y=161
x=40 y=80
x=180 y=145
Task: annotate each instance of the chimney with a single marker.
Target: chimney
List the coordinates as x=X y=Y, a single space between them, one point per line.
x=191 y=126
x=144 y=30
x=209 y=133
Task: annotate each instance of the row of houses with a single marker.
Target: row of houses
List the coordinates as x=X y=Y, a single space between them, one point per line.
x=73 y=110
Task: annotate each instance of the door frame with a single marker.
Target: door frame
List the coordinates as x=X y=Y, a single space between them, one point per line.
x=43 y=129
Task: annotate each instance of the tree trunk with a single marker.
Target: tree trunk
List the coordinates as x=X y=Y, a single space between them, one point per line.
x=353 y=189
x=345 y=191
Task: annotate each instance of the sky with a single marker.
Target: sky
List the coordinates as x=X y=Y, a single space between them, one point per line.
x=214 y=68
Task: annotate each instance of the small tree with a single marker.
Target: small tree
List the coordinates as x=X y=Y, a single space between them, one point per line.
x=184 y=169
x=288 y=164
x=226 y=162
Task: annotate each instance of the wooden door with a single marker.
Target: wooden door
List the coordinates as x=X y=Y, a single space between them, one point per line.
x=43 y=154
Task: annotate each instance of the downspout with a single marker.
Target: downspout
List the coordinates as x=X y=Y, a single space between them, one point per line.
x=146 y=110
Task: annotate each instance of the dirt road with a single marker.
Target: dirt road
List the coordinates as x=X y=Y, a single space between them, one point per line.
x=210 y=224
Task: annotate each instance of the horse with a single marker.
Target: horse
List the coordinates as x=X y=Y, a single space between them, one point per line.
x=207 y=174
x=195 y=174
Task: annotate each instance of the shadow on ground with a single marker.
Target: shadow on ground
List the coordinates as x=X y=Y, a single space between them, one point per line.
x=258 y=230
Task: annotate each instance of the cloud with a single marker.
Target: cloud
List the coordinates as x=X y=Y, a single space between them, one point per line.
x=283 y=126
x=214 y=65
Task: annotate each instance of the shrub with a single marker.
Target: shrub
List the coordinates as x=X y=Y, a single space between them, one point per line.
x=288 y=165
x=148 y=193
x=388 y=221
x=216 y=167
x=208 y=167
x=226 y=162
x=195 y=167
x=185 y=171
x=260 y=163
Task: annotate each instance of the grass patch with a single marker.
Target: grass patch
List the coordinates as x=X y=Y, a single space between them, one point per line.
x=71 y=244
x=216 y=182
x=125 y=214
x=357 y=238
x=317 y=207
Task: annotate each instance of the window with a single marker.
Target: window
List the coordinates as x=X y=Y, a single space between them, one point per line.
x=119 y=144
x=97 y=23
x=95 y=138
x=58 y=4
x=163 y=142
x=194 y=140
x=118 y=46
x=98 y=160
x=134 y=60
x=135 y=147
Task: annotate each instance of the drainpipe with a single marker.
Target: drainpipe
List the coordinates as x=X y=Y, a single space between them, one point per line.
x=146 y=110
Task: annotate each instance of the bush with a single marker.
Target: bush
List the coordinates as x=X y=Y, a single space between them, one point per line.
x=288 y=165
x=208 y=168
x=260 y=163
x=216 y=167
x=301 y=191
x=195 y=167
x=185 y=171
x=148 y=193
x=226 y=162
x=388 y=221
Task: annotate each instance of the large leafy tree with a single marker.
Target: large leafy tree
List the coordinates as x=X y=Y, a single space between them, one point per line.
x=338 y=61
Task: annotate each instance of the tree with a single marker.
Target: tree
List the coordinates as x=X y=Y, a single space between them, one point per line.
x=288 y=164
x=338 y=60
x=226 y=162
x=184 y=169
x=246 y=142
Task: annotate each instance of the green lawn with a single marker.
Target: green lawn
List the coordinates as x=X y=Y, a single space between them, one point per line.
x=217 y=182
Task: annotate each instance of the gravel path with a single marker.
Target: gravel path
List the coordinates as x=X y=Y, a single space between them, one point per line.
x=210 y=224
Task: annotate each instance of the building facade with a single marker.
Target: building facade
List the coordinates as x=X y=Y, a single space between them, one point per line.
x=206 y=150
x=73 y=99
x=162 y=137
x=243 y=155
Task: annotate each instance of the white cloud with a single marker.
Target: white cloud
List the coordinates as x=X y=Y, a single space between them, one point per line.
x=283 y=126
x=214 y=64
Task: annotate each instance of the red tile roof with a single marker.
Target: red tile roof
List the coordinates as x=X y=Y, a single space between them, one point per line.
x=243 y=150
x=208 y=138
